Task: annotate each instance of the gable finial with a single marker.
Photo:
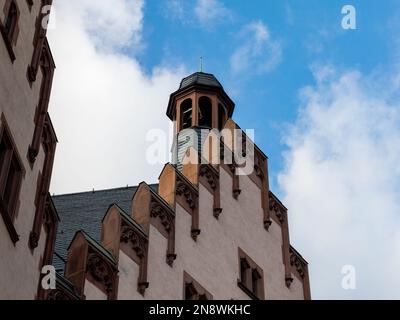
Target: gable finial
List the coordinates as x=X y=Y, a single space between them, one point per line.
x=201 y=64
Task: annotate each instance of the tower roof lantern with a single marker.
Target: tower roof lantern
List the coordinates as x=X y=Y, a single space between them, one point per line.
x=200 y=81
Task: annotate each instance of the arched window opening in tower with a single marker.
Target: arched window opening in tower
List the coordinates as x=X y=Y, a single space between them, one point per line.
x=221 y=116
x=186 y=114
x=205 y=112
x=11 y=20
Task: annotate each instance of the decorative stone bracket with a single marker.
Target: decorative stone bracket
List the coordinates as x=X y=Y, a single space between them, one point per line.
x=139 y=244
x=300 y=269
x=279 y=212
x=149 y=208
x=160 y=210
x=279 y=215
x=211 y=177
x=188 y=194
x=231 y=166
x=236 y=191
x=297 y=263
x=102 y=271
x=261 y=174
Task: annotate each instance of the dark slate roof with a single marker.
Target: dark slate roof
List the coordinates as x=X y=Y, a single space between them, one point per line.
x=97 y=246
x=85 y=211
x=201 y=78
x=66 y=285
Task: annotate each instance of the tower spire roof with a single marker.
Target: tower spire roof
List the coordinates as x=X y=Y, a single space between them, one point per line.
x=200 y=78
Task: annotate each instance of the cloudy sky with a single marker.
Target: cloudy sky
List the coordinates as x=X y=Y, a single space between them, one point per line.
x=324 y=103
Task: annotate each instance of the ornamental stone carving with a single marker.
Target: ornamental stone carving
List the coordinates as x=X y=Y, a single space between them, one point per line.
x=138 y=242
x=276 y=208
x=167 y=219
x=159 y=211
x=101 y=271
x=183 y=190
x=210 y=175
x=296 y=262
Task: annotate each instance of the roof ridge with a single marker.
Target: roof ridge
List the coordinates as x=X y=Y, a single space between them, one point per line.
x=96 y=191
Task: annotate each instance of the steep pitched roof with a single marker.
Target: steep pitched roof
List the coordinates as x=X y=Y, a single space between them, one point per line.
x=85 y=211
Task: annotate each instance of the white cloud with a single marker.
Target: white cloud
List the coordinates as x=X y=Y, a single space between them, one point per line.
x=258 y=53
x=209 y=12
x=102 y=102
x=111 y=24
x=198 y=13
x=176 y=10
x=342 y=183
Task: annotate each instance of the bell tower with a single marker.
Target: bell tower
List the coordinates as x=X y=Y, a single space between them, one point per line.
x=198 y=106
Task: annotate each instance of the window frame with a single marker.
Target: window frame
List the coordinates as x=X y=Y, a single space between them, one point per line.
x=13 y=203
x=248 y=270
x=198 y=290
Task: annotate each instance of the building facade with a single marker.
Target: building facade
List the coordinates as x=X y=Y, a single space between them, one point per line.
x=205 y=231
x=28 y=220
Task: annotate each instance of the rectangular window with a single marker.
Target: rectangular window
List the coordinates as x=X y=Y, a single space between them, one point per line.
x=251 y=277
x=11 y=173
x=9 y=28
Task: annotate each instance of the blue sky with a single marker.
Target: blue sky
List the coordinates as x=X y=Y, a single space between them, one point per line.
x=324 y=103
x=309 y=33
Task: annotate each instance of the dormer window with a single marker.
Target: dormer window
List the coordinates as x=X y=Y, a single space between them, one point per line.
x=186 y=114
x=205 y=112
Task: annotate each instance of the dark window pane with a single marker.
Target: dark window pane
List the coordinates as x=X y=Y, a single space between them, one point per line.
x=255 y=281
x=205 y=112
x=190 y=292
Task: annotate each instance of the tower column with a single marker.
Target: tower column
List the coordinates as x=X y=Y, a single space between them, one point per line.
x=214 y=101
x=195 y=115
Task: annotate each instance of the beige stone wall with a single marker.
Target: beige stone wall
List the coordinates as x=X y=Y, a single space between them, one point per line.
x=213 y=260
x=93 y=293
x=159 y=272
x=128 y=278
x=18 y=102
